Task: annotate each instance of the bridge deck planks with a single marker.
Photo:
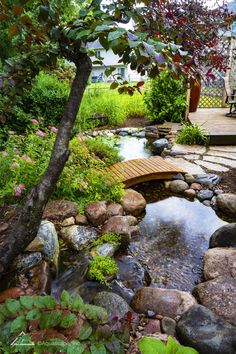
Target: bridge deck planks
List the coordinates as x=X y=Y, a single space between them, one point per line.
x=136 y=171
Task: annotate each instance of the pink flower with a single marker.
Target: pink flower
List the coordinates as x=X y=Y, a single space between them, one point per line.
x=15 y=165
x=15 y=149
x=54 y=130
x=5 y=154
x=19 y=189
x=40 y=133
x=27 y=159
x=34 y=121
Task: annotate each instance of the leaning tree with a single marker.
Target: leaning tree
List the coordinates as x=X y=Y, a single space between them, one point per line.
x=40 y=32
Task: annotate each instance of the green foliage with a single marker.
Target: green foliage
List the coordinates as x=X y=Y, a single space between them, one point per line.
x=192 y=134
x=166 y=99
x=104 y=150
x=83 y=180
x=155 y=346
x=111 y=238
x=67 y=326
x=102 y=267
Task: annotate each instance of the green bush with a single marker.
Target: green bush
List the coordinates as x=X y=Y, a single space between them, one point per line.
x=40 y=324
x=104 y=149
x=192 y=134
x=83 y=179
x=102 y=267
x=111 y=238
x=166 y=99
x=149 y=345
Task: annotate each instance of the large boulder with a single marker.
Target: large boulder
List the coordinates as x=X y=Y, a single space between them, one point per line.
x=220 y=262
x=225 y=236
x=133 y=202
x=219 y=295
x=58 y=210
x=159 y=145
x=97 y=213
x=27 y=260
x=165 y=302
x=47 y=233
x=201 y=329
x=226 y=202
x=114 y=209
x=78 y=237
x=178 y=186
x=207 y=179
x=113 y=303
x=121 y=225
x=131 y=273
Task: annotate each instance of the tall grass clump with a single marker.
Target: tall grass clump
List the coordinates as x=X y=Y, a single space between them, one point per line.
x=192 y=134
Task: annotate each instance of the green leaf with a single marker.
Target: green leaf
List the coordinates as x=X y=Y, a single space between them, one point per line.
x=114 y=85
x=102 y=28
x=2 y=318
x=33 y=315
x=66 y=299
x=68 y=320
x=18 y=324
x=95 y=313
x=51 y=319
x=83 y=33
x=45 y=302
x=98 y=348
x=75 y=347
x=85 y=331
x=116 y=34
x=43 y=13
x=27 y=302
x=109 y=71
x=151 y=346
x=78 y=303
x=13 y=306
x=3 y=310
x=83 y=12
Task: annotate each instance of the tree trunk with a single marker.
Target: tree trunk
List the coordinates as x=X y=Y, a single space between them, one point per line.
x=26 y=227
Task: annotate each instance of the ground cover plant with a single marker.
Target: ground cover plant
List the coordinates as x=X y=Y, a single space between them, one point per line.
x=192 y=134
x=149 y=345
x=101 y=268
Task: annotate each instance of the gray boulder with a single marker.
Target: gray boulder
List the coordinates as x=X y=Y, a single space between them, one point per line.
x=205 y=194
x=178 y=186
x=78 y=237
x=207 y=179
x=220 y=261
x=159 y=145
x=113 y=303
x=201 y=329
x=225 y=236
x=47 y=233
x=27 y=260
x=226 y=202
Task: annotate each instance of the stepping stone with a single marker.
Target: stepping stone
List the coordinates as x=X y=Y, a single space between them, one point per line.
x=229 y=155
x=191 y=157
x=220 y=160
x=212 y=166
x=189 y=167
x=190 y=149
x=228 y=148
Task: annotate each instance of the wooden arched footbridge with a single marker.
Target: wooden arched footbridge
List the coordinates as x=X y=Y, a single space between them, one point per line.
x=136 y=171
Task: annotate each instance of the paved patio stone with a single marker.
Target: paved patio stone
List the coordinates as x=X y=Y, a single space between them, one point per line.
x=228 y=148
x=212 y=166
x=220 y=160
x=189 y=149
x=192 y=157
x=189 y=167
x=229 y=155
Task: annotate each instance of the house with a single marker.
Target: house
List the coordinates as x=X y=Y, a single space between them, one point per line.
x=110 y=59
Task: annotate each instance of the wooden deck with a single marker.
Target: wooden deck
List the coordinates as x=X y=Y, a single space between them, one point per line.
x=221 y=129
x=136 y=171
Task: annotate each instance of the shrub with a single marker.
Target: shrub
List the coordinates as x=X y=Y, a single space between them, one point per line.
x=155 y=346
x=114 y=239
x=166 y=99
x=192 y=134
x=102 y=267
x=83 y=179
x=39 y=324
x=104 y=149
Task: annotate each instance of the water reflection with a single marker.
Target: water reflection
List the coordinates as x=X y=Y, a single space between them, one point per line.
x=173 y=237
x=133 y=148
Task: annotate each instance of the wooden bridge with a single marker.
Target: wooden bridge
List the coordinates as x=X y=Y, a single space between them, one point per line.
x=136 y=171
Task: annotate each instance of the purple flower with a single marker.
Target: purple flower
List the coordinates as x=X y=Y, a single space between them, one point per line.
x=15 y=149
x=54 y=130
x=15 y=165
x=34 y=121
x=27 y=159
x=18 y=190
x=40 y=133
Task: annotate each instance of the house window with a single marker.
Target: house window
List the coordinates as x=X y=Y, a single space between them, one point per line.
x=121 y=72
x=98 y=54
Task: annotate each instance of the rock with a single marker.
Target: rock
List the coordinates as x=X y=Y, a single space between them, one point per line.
x=201 y=329
x=131 y=273
x=219 y=295
x=167 y=184
x=213 y=201
x=118 y=225
x=68 y=222
x=97 y=213
x=205 y=194
x=59 y=210
x=107 y=249
x=196 y=186
x=189 y=178
x=178 y=186
x=218 y=191
x=113 y=303
x=226 y=202
x=132 y=220
x=27 y=260
x=166 y=302
x=119 y=288
x=12 y=293
x=133 y=202
x=141 y=134
x=168 y=326
x=81 y=220
x=189 y=193
x=207 y=203
x=114 y=209
x=153 y=326
x=208 y=179
x=225 y=236
x=159 y=145
x=123 y=133
x=3 y=226
x=220 y=262
x=78 y=236
x=36 y=245
x=47 y=233
x=179 y=176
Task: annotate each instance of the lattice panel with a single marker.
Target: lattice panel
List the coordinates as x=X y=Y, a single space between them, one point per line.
x=212 y=93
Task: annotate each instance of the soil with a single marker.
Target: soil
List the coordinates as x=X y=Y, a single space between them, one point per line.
x=228 y=182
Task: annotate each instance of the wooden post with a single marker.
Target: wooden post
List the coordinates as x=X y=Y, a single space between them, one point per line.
x=187 y=101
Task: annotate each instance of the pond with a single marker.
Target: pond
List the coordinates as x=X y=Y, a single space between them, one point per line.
x=133 y=148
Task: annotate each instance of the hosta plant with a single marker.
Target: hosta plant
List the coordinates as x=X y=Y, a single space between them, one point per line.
x=155 y=346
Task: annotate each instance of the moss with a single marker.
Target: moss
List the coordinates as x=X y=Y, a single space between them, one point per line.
x=111 y=238
x=102 y=267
